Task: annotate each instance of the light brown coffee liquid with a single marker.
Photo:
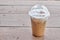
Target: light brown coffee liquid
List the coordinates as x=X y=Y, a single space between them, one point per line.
x=38 y=27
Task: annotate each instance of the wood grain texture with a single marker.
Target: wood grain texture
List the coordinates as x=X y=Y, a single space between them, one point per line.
x=14 y=9
x=14 y=20
x=14 y=1
x=18 y=33
x=18 y=16
x=54 y=9
x=24 y=20
x=19 y=2
x=16 y=13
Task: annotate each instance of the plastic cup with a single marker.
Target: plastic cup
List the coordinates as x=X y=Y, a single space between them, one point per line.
x=38 y=26
x=39 y=15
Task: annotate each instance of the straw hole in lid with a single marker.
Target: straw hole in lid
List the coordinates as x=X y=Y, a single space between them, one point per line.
x=41 y=12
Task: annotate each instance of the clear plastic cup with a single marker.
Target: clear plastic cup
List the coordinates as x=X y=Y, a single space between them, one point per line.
x=38 y=26
x=39 y=16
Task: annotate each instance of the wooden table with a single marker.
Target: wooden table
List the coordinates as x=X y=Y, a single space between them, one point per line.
x=21 y=33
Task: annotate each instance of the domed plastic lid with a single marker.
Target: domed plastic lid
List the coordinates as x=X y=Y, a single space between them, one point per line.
x=39 y=11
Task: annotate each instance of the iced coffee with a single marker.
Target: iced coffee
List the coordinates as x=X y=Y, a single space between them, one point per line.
x=38 y=27
x=39 y=15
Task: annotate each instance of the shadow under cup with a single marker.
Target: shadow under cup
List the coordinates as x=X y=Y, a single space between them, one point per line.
x=38 y=27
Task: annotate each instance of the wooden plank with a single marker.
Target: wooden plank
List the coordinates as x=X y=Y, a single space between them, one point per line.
x=26 y=34
x=15 y=1
x=14 y=20
x=52 y=34
x=31 y=2
x=14 y=9
x=24 y=20
x=54 y=9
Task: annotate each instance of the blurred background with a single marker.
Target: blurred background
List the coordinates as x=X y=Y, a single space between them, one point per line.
x=15 y=12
